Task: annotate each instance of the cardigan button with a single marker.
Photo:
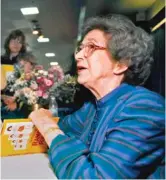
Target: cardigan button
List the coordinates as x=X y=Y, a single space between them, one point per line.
x=91 y=133
x=95 y=121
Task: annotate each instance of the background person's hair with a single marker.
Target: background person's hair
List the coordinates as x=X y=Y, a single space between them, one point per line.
x=127 y=43
x=13 y=35
x=28 y=57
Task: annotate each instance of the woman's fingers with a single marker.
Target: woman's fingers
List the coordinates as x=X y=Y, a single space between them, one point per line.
x=42 y=119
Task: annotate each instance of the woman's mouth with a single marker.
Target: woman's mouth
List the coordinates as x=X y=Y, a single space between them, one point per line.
x=80 y=68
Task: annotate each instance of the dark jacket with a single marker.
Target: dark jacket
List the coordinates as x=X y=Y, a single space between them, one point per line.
x=6 y=60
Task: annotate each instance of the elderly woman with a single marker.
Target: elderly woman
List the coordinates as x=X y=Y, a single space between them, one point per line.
x=121 y=133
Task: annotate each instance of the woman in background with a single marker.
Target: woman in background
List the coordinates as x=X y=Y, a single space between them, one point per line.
x=15 y=44
x=27 y=62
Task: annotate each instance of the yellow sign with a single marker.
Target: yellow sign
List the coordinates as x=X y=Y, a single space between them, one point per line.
x=8 y=69
x=20 y=136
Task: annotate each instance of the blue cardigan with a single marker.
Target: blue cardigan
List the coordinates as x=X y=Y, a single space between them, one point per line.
x=120 y=136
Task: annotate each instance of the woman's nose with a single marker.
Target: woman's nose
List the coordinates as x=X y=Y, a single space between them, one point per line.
x=80 y=55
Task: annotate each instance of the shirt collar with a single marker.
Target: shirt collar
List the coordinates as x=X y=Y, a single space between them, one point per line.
x=113 y=95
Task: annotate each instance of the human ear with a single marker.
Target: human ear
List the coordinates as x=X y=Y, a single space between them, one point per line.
x=120 y=67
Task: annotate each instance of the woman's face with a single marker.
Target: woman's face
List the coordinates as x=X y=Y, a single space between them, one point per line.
x=27 y=66
x=94 y=62
x=15 y=45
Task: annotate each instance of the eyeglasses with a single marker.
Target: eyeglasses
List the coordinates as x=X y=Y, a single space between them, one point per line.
x=16 y=41
x=89 y=48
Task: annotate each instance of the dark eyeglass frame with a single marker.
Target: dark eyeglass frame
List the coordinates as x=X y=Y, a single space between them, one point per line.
x=89 y=48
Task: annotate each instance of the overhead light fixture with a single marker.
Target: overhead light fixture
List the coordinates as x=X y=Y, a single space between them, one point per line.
x=41 y=36
x=35 y=32
x=50 y=54
x=29 y=11
x=53 y=63
x=159 y=24
x=35 y=27
x=43 y=39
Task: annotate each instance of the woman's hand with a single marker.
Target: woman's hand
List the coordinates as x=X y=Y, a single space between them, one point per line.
x=43 y=120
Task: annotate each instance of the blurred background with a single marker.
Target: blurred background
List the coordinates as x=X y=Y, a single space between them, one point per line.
x=56 y=27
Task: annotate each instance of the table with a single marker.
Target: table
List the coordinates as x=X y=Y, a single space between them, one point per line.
x=31 y=166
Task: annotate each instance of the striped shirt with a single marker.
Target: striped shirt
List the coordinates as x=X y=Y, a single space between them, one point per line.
x=121 y=136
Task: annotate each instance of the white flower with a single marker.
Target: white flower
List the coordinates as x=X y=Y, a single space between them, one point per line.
x=41 y=71
x=45 y=73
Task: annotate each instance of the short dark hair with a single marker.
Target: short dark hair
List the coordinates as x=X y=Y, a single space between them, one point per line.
x=13 y=35
x=127 y=43
x=28 y=57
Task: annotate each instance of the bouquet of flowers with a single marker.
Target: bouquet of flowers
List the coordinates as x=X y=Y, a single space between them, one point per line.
x=65 y=90
x=35 y=87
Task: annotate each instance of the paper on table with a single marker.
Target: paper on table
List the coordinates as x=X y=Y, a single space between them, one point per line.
x=19 y=136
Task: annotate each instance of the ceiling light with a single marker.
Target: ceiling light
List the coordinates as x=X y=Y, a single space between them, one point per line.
x=29 y=11
x=41 y=36
x=49 y=54
x=35 y=27
x=43 y=39
x=35 y=32
x=53 y=63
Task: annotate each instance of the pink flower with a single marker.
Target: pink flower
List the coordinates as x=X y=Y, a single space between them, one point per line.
x=51 y=76
x=45 y=96
x=48 y=82
x=39 y=79
x=39 y=93
x=60 y=77
x=34 y=86
x=50 y=70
